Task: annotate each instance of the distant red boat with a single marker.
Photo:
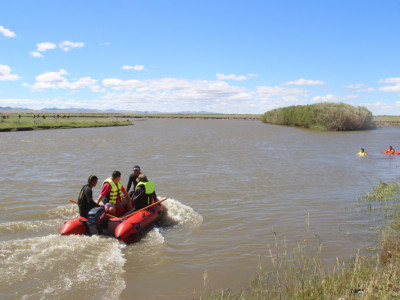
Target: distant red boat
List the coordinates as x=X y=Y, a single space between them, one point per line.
x=391 y=152
x=126 y=228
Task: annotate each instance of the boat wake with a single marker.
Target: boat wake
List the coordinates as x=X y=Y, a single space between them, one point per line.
x=45 y=267
x=43 y=264
x=178 y=214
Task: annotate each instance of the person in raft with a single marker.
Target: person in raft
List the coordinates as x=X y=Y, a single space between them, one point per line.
x=362 y=152
x=85 y=200
x=390 y=150
x=111 y=195
x=144 y=194
x=132 y=179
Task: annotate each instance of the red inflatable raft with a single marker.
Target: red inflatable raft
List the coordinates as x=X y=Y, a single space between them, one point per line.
x=125 y=229
x=391 y=152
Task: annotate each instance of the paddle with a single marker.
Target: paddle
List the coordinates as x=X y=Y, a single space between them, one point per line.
x=110 y=216
x=144 y=208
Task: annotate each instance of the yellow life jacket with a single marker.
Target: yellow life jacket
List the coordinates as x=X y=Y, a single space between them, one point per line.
x=149 y=190
x=362 y=153
x=112 y=197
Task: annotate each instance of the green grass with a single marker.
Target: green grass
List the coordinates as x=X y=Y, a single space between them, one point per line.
x=79 y=120
x=297 y=273
x=387 y=120
x=27 y=122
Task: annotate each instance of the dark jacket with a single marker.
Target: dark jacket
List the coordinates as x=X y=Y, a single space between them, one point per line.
x=132 y=180
x=85 y=201
x=140 y=199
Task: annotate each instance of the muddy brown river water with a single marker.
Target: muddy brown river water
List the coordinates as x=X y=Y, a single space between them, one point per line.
x=229 y=183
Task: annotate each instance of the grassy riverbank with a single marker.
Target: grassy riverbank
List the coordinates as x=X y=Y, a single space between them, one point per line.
x=16 y=121
x=299 y=275
x=35 y=121
x=24 y=122
x=387 y=120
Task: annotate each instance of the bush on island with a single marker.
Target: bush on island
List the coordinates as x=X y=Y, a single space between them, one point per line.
x=323 y=116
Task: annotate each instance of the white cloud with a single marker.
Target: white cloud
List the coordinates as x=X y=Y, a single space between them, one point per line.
x=356 y=86
x=174 y=94
x=302 y=81
x=390 y=80
x=41 y=47
x=196 y=88
x=368 y=90
x=81 y=83
x=382 y=108
x=393 y=88
x=5 y=74
x=7 y=32
x=52 y=77
x=221 y=76
x=59 y=102
x=67 y=45
x=135 y=67
x=333 y=98
x=56 y=80
x=35 y=54
x=379 y=104
x=278 y=92
x=119 y=85
x=360 y=87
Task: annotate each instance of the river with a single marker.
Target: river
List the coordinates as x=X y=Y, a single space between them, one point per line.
x=229 y=184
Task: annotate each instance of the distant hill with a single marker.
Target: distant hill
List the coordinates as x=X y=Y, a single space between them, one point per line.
x=13 y=108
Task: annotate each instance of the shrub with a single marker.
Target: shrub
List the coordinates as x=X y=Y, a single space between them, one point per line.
x=326 y=116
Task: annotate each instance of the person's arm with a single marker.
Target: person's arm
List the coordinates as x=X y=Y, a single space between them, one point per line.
x=104 y=191
x=123 y=190
x=155 y=197
x=136 y=195
x=101 y=197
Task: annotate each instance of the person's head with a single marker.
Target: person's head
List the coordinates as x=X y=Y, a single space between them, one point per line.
x=116 y=176
x=136 y=170
x=362 y=149
x=92 y=180
x=390 y=147
x=141 y=178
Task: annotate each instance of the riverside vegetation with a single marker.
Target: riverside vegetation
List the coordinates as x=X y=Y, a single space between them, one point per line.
x=299 y=275
x=12 y=121
x=19 y=121
x=322 y=116
x=30 y=121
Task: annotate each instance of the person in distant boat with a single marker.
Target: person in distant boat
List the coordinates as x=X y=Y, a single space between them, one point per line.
x=85 y=200
x=362 y=152
x=390 y=150
x=144 y=194
x=112 y=195
x=132 y=179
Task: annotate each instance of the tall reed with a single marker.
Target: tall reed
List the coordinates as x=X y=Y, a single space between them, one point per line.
x=324 y=116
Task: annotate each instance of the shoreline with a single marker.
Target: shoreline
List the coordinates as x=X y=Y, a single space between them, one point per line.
x=12 y=122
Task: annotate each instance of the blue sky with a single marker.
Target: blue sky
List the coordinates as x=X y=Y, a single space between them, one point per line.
x=217 y=56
